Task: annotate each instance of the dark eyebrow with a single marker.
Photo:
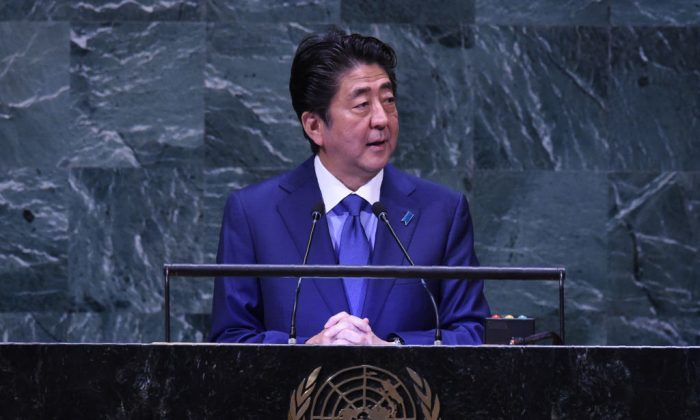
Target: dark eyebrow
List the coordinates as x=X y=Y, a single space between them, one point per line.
x=386 y=86
x=361 y=91
x=358 y=92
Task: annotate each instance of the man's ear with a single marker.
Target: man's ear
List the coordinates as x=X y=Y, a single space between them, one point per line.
x=313 y=124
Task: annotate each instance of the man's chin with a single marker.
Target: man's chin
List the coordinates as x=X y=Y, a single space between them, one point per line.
x=373 y=166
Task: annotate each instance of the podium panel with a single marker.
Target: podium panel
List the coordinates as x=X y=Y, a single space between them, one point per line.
x=277 y=382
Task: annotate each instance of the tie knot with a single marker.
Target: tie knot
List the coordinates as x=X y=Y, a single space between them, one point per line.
x=353 y=204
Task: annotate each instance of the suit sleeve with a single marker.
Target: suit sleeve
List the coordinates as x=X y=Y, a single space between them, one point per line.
x=461 y=303
x=237 y=311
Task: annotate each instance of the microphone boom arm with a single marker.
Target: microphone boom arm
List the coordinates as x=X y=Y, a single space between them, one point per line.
x=380 y=212
x=315 y=216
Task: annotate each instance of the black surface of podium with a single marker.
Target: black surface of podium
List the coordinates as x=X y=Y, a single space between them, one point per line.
x=281 y=381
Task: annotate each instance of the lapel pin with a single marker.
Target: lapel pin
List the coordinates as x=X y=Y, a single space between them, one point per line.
x=407 y=218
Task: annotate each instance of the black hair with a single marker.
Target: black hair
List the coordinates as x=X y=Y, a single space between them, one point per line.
x=320 y=61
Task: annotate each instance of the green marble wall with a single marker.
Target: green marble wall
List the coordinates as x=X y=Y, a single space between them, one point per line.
x=573 y=127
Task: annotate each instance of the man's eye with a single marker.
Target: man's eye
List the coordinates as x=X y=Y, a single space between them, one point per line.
x=390 y=100
x=362 y=105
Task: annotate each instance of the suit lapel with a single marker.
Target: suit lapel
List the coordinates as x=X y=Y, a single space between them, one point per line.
x=295 y=210
x=396 y=197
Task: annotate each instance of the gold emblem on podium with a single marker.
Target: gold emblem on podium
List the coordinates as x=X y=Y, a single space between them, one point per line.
x=362 y=392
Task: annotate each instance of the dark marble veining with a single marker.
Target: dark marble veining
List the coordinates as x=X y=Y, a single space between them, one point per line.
x=546 y=219
x=36 y=10
x=34 y=94
x=653 y=233
x=408 y=11
x=326 y=11
x=255 y=382
x=138 y=93
x=107 y=10
x=544 y=12
x=126 y=223
x=541 y=98
x=103 y=10
x=502 y=12
x=654 y=94
x=112 y=326
x=652 y=12
x=125 y=124
x=33 y=257
x=249 y=117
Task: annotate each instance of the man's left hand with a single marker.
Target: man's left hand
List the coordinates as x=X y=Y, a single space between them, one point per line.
x=345 y=329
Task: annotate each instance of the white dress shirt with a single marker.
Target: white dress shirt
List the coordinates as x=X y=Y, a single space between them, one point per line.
x=333 y=192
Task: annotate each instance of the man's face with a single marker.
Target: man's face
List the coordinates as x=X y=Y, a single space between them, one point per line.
x=363 y=128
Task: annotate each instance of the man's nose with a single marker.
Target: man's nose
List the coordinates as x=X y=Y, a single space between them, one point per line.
x=379 y=117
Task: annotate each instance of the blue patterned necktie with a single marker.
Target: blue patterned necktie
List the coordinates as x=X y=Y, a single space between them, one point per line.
x=353 y=249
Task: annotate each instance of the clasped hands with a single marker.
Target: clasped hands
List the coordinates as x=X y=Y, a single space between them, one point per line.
x=345 y=329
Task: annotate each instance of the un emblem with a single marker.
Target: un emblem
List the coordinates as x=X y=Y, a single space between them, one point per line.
x=362 y=392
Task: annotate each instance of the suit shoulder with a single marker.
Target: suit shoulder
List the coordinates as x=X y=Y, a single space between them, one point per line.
x=261 y=188
x=276 y=185
x=250 y=195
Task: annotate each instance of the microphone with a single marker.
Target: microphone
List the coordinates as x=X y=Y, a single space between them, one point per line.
x=380 y=211
x=316 y=213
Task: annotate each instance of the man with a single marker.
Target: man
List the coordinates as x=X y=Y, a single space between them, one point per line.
x=343 y=90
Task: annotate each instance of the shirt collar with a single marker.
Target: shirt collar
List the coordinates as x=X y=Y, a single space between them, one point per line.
x=333 y=191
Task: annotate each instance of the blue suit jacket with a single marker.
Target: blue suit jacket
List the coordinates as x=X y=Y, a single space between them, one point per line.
x=269 y=223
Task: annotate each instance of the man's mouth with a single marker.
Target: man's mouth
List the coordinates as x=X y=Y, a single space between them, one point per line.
x=376 y=143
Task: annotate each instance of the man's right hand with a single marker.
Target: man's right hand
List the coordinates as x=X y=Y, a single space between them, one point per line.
x=345 y=329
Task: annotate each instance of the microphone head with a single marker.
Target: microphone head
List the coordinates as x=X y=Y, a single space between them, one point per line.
x=318 y=210
x=378 y=209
